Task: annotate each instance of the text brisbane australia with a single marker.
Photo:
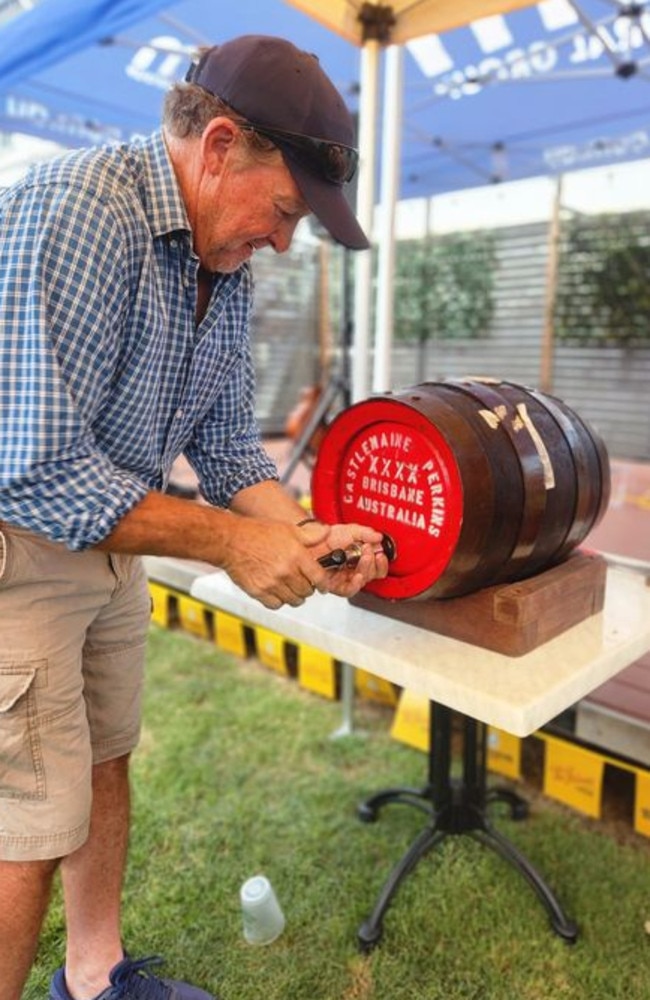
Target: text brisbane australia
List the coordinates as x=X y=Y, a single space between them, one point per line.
x=391 y=476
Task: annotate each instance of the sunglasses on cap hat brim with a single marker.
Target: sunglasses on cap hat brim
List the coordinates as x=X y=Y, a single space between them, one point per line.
x=333 y=161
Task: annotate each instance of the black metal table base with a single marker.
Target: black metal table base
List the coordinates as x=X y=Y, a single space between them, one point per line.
x=455 y=807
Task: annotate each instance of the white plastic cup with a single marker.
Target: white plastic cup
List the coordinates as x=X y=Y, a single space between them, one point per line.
x=261 y=912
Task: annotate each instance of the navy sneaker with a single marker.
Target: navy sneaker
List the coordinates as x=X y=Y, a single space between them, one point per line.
x=130 y=980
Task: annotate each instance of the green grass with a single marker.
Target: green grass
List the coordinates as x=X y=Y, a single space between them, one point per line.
x=237 y=774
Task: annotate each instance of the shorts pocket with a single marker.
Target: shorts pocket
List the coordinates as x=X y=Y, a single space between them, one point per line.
x=22 y=774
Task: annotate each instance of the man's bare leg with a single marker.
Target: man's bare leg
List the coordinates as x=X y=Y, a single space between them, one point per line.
x=25 y=888
x=92 y=883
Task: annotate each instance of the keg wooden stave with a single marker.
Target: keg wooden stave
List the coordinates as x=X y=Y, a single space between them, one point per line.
x=477 y=481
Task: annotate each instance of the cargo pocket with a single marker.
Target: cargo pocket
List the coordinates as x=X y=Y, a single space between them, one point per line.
x=22 y=774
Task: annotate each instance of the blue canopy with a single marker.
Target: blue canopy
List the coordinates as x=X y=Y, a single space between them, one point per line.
x=105 y=76
x=545 y=90
x=538 y=91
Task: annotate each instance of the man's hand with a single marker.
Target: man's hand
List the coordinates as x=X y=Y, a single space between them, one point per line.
x=277 y=563
x=347 y=580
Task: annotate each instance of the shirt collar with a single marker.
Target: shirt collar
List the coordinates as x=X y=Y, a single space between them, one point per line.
x=160 y=191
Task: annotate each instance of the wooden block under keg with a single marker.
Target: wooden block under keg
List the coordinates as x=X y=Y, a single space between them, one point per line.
x=511 y=618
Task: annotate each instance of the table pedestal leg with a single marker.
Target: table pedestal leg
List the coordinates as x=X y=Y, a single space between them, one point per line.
x=455 y=807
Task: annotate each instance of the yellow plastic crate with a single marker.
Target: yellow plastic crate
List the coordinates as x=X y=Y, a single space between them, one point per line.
x=318 y=672
x=229 y=633
x=272 y=650
x=573 y=775
x=375 y=688
x=642 y=802
x=160 y=604
x=503 y=753
x=411 y=721
x=194 y=616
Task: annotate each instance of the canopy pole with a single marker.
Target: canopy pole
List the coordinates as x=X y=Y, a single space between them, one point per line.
x=365 y=206
x=386 y=230
x=548 y=334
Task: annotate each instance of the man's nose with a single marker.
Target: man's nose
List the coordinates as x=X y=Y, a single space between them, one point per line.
x=282 y=236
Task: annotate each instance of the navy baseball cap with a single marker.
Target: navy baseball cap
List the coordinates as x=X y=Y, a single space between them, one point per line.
x=284 y=95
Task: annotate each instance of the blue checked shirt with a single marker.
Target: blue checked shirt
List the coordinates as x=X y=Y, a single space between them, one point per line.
x=105 y=378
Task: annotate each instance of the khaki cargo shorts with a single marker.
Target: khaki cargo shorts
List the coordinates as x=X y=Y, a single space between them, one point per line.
x=73 y=629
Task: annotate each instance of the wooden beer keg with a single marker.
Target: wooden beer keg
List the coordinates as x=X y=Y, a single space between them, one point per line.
x=477 y=481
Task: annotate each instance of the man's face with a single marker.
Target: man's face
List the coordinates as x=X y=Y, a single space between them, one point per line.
x=249 y=205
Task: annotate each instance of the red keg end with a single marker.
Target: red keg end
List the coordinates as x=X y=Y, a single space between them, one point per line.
x=478 y=482
x=383 y=464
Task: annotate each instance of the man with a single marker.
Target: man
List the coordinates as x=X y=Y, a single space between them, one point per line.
x=125 y=292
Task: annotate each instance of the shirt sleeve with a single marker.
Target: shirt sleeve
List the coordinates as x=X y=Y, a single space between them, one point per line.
x=226 y=451
x=63 y=295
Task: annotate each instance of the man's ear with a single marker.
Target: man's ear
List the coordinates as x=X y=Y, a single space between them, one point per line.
x=217 y=141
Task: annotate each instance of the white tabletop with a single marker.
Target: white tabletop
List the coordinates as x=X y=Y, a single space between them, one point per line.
x=517 y=694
